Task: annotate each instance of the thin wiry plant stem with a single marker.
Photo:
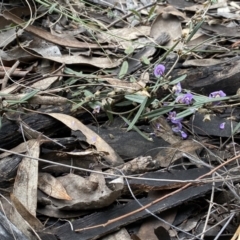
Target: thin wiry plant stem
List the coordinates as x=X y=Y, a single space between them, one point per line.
x=209 y=209
x=129 y=14
x=214 y=226
x=225 y=225
x=89 y=170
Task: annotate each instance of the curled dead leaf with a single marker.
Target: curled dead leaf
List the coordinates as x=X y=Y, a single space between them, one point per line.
x=52 y=187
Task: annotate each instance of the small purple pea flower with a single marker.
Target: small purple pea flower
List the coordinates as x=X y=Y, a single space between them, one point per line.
x=159 y=70
x=222 y=125
x=185 y=99
x=172 y=117
x=178 y=129
x=177 y=88
x=177 y=124
x=217 y=94
x=184 y=135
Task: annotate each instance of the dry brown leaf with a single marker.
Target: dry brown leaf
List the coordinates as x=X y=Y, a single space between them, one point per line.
x=168 y=23
x=25 y=185
x=203 y=62
x=47 y=35
x=93 y=61
x=32 y=220
x=86 y=193
x=173 y=11
x=52 y=187
x=175 y=151
x=45 y=83
x=124 y=35
x=44 y=100
x=92 y=138
x=22 y=224
x=129 y=33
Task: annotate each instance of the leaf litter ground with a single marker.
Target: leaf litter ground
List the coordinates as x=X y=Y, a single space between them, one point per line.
x=119 y=120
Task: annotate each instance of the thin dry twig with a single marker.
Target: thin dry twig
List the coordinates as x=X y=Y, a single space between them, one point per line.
x=8 y=74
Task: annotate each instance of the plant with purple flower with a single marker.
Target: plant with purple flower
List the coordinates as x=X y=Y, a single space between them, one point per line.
x=222 y=125
x=159 y=70
x=217 y=94
x=172 y=117
x=185 y=99
x=177 y=88
x=177 y=128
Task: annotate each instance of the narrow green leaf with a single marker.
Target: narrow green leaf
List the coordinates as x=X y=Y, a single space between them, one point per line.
x=109 y=114
x=137 y=130
x=140 y=110
x=136 y=13
x=186 y=112
x=79 y=74
x=29 y=95
x=70 y=71
x=203 y=99
x=76 y=106
x=195 y=30
x=123 y=70
x=177 y=80
x=135 y=98
x=151 y=12
x=77 y=93
x=123 y=104
x=71 y=81
x=158 y=112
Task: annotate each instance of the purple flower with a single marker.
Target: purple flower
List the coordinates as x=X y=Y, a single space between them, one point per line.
x=184 y=135
x=177 y=128
x=222 y=125
x=159 y=70
x=177 y=88
x=171 y=115
x=185 y=99
x=217 y=94
x=172 y=118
